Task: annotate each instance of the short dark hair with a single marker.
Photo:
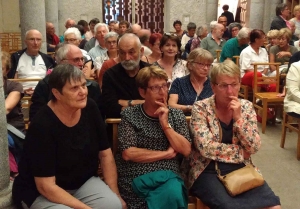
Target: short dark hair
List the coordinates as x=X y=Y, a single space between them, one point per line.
x=225 y=7
x=82 y=22
x=124 y=22
x=191 y=25
x=94 y=21
x=62 y=74
x=172 y=37
x=177 y=22
x=280 y=8
x=112 y=21
x=256 y=33
x=80 y=28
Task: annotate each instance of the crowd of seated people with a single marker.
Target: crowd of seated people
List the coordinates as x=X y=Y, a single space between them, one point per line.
x=151 y=94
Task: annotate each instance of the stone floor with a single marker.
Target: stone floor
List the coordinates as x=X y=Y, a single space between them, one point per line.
x=280 y=167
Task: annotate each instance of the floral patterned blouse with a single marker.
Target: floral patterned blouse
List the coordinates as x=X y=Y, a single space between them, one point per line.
x=179 y=69
x=206 y=135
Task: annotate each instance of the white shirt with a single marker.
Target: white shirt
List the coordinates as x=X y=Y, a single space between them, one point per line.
x=249 y=56
x=292 y=98
x=27 y=68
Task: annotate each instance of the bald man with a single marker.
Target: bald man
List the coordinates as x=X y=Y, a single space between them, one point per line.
x=144 y=36
x=68 y=24
x=136 y=28
x=30 y=62
x=52 y=38
x=119 y=89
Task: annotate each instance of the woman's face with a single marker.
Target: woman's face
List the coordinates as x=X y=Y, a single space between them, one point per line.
x=177 y=27
x=170 y=48
x=74 y=94
x=282 y=42
x=234 y=31
x=225 y=87
x=200 y=67
x=297 y=15
x=274 y=41
x=261 y=41
x=155 y=47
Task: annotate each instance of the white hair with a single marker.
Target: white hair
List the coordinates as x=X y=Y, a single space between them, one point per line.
x=74 y=31
x=243 y=33
x=100 y=25
x=213 y=24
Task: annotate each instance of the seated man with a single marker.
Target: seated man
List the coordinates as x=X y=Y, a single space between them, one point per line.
x=223 y=20
x=123 y=27
x=68 y=24
x=215 y=41
x=144 y=36
x=97 y=42
x=73 y=36
x=52 y=38
x=118 y=86
x=234 y=46
x=151 y=136
x=71 y=54
x=30 y=62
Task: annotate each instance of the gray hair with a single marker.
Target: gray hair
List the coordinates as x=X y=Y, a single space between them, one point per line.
x=62 y=74
x=234 y=25
x=130 y=36
x=74 y=31
x=212 y=24
x=100 y=25
x=243 y=33
x=200 y=30
x=110 y=34
x=61 y=53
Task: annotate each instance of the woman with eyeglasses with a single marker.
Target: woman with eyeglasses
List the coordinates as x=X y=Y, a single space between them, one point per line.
x=169 y=61
x=195 y=86
x=151 y=137
x=154 y=42
x=225 y=134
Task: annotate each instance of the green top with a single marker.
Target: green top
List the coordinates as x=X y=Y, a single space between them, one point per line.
x=231 y=48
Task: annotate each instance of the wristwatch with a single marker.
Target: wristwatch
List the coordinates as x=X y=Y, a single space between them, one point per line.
x=129 y=103
x=167 y=127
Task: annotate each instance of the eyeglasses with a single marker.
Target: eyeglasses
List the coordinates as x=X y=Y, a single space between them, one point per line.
x=70 y=40
x=76 y=60
x=170 y=34
x=38 y=40
x=155 y=89
x=202 y=65
x=224 y=86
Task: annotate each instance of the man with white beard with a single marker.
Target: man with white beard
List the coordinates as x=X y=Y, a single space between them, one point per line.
x=119 y=88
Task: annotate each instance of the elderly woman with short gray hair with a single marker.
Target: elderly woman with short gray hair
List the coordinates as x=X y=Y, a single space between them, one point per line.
x=64 y=144
x=234 y=29
x=201 y=34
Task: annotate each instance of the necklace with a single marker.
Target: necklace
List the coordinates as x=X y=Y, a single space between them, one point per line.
x=199 y=88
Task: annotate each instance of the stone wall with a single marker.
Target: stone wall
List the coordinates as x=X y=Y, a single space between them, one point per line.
x=78 y=10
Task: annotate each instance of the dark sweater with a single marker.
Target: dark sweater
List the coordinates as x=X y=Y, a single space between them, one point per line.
x=117 y=85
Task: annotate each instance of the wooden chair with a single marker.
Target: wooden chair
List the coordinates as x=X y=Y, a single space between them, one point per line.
x=287 y=123
x=218 y=51
x=268 y=99
x=194 y=203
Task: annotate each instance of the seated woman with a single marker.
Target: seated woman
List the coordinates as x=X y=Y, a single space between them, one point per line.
x=62 y=154
x=195 y=86
x=151 y=136
x=169 y=61
x=292 y=98
x=283 y=51
x=154 y=42
x=224 y=131
x=234 y=29
x=178 y=30
x=272 y=36
x=13 y=93
x=255 y=53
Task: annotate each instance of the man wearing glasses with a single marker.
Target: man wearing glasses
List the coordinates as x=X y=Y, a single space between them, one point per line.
x=74 y=57
x=30 y=62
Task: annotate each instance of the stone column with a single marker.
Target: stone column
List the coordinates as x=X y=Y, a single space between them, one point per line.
x=211 y=11
x=51 y=9
x=270 y=13
x=256 y=14
x=5 y=183
x=32 y=16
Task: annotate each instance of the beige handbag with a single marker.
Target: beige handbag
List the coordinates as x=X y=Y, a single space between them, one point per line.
x=240 y=180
